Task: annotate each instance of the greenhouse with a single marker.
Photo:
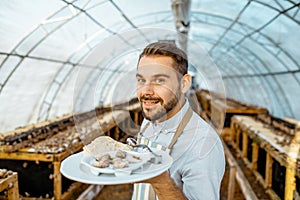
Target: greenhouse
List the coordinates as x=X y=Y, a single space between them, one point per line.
x=73 y=72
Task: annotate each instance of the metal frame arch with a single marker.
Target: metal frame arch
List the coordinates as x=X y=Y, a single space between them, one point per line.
x=280 y=11
x=34 y=46
x=274 y=94
x=239 y=32
x=269 y=39
x=251 y=38
x=47 y=105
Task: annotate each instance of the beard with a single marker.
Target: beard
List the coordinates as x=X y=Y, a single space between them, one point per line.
x=160 y=111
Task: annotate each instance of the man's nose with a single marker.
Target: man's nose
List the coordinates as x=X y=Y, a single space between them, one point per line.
x=147 y=88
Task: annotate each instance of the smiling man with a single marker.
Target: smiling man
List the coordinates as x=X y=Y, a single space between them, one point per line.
x=160 y=88
x=171 y=125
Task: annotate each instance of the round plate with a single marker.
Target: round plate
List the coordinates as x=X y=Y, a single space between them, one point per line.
x=72 y=168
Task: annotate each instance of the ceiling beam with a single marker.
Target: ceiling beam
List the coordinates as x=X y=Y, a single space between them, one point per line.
x=181 y=13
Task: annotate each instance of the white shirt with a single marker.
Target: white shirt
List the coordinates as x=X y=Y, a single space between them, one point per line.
x=198 y=157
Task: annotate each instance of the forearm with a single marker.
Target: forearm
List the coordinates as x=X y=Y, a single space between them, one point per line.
x=165 y=188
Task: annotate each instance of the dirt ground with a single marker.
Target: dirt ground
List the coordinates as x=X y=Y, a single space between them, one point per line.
x=123 y=192
x=111 y=192
x=255 y=185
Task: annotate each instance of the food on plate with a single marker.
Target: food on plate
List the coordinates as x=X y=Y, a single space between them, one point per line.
x=117 y=159
x=104 y=157
x=102 y=161
x=102 y=145
x=121 y=154
x=109 y=153
x=101 y=164
x=120 y=163
x=132 y=158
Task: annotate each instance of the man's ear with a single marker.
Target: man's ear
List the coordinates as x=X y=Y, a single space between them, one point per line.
x=185 y=83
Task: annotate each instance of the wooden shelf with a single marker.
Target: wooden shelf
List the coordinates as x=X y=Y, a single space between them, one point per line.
x=55 y=159
x=249 y=135
x=11 y=185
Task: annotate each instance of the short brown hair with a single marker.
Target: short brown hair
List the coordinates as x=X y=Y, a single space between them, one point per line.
x=168 y=49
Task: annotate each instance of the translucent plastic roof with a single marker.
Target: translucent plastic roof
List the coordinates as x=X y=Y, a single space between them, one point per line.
x=54 y=50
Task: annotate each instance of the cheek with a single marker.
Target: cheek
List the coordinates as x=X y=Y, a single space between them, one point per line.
x=166 y=92
x=138 y=93
x=171 y=88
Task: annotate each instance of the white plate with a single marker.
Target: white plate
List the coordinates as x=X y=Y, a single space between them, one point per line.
x=89 y=160
x=72 y=168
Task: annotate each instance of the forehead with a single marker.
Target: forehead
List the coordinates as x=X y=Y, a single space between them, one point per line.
x=151 y=65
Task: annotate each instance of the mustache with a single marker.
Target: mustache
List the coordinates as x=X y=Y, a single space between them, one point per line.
x=150 y=98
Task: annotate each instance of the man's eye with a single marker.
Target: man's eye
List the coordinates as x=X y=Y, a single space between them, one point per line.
x=141 y=80
x=159 y=81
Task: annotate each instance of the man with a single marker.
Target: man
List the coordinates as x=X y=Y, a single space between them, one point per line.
x=197 y=152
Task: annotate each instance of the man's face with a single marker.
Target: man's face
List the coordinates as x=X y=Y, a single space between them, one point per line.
x=159 y=89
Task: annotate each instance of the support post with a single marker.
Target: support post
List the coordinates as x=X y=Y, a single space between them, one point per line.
x=293 y=154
